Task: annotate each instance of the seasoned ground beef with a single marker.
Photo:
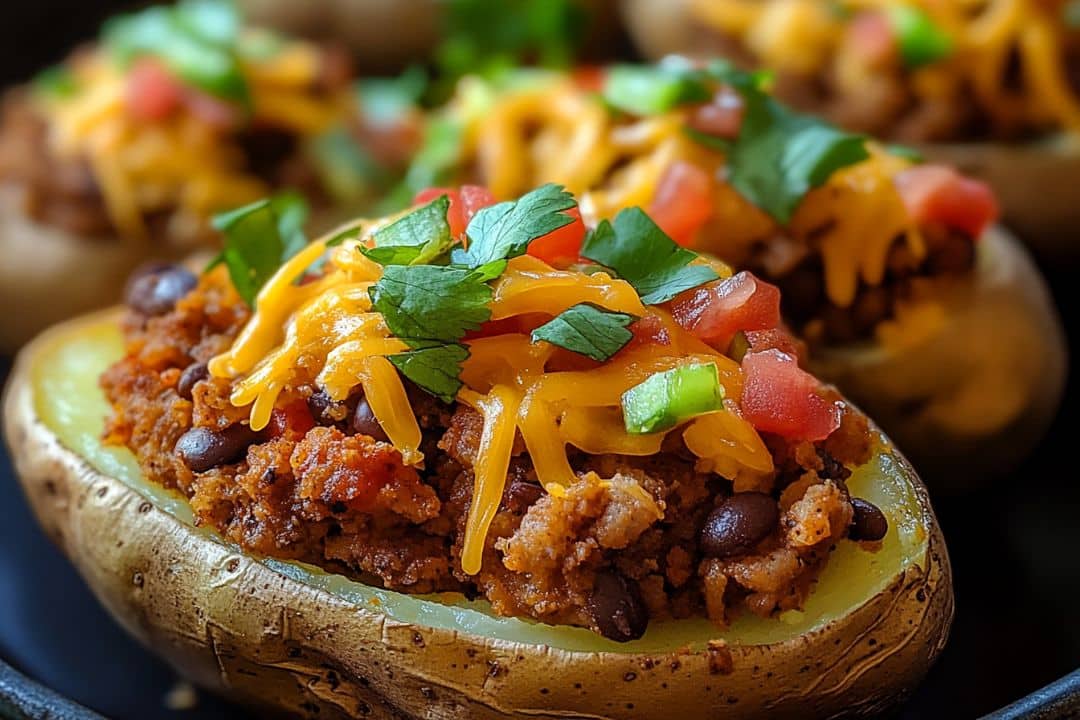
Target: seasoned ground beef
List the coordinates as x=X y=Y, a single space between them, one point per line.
x=619 y=546
x=807 y=306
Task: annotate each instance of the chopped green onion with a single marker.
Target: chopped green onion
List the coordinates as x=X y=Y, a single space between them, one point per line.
x=653 y=89
x=921 y=40
x=669 y=398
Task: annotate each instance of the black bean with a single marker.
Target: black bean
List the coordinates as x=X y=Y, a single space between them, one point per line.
x=192 y=374
x=155 y=289
x=324 y=410
x=202 y=449
x=738 y=524
x=616 y=607
x=364 y=422
x=868 y=522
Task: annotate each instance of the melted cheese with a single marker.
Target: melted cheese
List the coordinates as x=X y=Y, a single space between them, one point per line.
x=181 y=164
x=325 y=333
x=990 y=37
x=534 y=136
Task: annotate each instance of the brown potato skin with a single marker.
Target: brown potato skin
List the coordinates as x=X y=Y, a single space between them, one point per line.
x=1002 y=342
x=235 y=626
x=48 y=275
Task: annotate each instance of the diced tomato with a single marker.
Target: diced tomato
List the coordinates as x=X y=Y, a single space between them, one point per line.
x=715 y=312
x=722 y=117
x=872 y=38
x=464 y=203
x=779 y=397
x=649 y=330
x=683 y=202
x=153 y=93
x=939 y=194
x=778 y=338
x=474 y=198
x=213 y=111
x=293 y=420
x=561 y=247
x=523 y=324
x=454 y=215
x=590 y=78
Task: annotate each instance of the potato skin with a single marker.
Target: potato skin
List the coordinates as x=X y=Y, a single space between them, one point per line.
x=48 y=275
x=235 y=626
x=970 y=400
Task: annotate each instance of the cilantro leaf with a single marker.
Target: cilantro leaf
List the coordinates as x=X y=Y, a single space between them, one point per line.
x=640 y=253
x=587 y=330
x=431 y=303
x=415 y=238
x=196 y=40
x=653 y=89
x=489 y=37
x=347 y=170
x=505 y=230
x=781 y=155
x=436 y=369
x=258 y=238
x=350 y=231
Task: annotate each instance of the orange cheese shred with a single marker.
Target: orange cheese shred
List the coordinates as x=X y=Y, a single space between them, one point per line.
x=499 y=408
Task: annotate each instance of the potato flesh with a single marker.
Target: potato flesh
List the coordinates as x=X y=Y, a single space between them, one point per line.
x=70 y=403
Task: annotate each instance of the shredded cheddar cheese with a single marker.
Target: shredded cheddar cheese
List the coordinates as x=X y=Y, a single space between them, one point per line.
x=990 y=39
x=325 y=333
x=184 y=164
x=554 y=131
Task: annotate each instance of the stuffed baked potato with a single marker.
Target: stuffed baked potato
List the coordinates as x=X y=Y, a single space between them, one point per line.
x=986 y=86
x=314 y=627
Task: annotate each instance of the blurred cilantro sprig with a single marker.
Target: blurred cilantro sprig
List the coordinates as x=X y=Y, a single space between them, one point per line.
x=490 y=37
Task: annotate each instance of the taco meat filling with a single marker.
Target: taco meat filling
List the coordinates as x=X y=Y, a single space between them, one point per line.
x=654 y=539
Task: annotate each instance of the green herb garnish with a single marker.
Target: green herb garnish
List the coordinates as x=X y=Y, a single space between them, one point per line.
x=258 y=238
x=491 y=37
x=505 y=230
x=425 y=304
x=921 y=40
x=654 y=89
x=196 y=39
x=414 y=239
x=587 y=330
x=639 y=252
x=436 y=369
x=781 y=155
x=56 y=81
x=438 y=156
x=385 y=100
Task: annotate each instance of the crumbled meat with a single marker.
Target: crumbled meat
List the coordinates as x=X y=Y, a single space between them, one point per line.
x=311 y=488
